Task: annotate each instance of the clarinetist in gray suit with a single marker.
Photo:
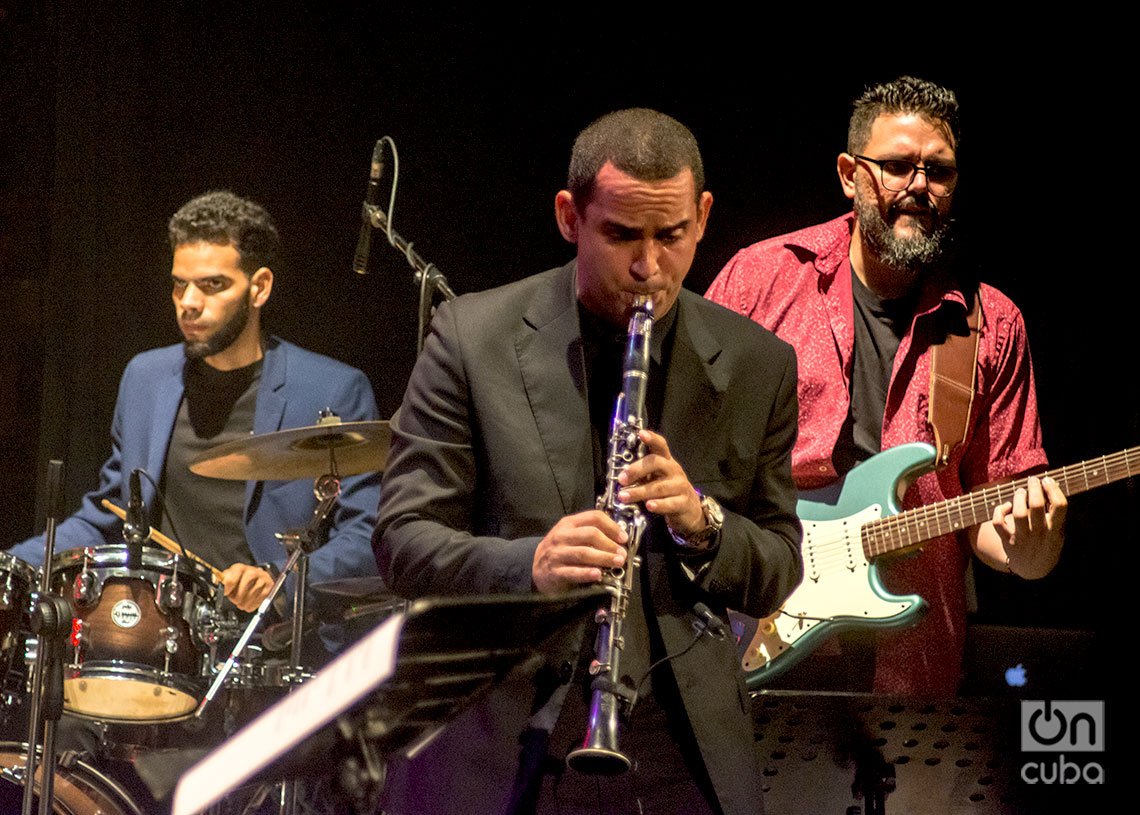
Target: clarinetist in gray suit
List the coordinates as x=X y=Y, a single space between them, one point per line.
x=499 y=454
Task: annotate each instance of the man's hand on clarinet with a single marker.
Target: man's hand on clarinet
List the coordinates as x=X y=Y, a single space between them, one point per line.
x=658 y=480
x=576 y=550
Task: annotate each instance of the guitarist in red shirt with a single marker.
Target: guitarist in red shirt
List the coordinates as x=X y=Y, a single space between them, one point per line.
x=865 y=299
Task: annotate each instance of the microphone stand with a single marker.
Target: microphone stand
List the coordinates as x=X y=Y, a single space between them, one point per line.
x=427 y=275
x=50 y=622
x=429 y=278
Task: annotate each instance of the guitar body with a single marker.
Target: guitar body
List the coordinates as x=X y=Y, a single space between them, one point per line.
x=840 y=589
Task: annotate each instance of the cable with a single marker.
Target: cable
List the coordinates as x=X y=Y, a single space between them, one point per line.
x=165 y=514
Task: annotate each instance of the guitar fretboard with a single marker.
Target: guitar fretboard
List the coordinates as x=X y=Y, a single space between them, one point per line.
x=916 y=526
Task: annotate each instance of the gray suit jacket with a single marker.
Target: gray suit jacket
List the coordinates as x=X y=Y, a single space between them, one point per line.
x=491 y=446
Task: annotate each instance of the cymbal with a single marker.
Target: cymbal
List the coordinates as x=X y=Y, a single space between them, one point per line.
x=367 y=588
x=302 y=452
x=355 y=597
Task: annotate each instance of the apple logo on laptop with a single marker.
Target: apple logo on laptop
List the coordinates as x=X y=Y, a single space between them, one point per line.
x=1015 y=677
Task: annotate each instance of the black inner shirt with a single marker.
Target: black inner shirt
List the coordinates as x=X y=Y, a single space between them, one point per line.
x=206 y=515
x=880 y=324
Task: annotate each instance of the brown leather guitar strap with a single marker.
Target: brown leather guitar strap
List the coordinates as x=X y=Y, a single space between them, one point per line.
x=953 y=368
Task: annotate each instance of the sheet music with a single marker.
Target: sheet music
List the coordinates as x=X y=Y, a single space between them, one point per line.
x=335 y=689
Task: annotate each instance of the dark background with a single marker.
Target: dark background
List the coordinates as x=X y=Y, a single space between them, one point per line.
x=114 y=114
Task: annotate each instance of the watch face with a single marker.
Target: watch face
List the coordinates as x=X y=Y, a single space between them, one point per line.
x=713 y=511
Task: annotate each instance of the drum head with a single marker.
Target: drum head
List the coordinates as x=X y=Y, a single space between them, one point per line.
x=113 y=559
x=118 y=695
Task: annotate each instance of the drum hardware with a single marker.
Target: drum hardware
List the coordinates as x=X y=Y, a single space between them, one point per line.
x=287 y=455
x=169 y=591
x=298 y=543
x=167 y=543
x=83 y=590
x=17 y=581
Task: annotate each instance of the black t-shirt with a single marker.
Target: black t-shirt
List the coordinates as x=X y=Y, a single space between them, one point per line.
x=879 y=325
x=205 y=515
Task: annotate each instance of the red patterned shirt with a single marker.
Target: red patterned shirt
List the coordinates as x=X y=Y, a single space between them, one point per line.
x=799 y=286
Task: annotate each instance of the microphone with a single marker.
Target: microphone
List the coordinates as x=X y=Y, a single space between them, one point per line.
x=371 y=197
x=135 y=527
x=713 y=623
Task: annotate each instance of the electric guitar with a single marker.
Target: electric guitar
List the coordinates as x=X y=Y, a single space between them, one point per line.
x=852 y=523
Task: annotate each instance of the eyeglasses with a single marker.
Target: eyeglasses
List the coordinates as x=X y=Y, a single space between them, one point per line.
x=898 y=174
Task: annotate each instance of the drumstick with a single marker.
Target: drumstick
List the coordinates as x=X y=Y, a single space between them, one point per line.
x=167 y=543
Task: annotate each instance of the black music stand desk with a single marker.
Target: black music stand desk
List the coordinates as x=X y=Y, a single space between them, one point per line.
x=392 y=691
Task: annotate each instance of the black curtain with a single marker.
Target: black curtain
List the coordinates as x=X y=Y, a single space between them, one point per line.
x=117 y=113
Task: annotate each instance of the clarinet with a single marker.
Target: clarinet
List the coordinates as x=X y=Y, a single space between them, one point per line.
x=599 y=753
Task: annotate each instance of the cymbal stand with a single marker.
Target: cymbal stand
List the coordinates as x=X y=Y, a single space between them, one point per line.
x=50 y=622
x=299 y=543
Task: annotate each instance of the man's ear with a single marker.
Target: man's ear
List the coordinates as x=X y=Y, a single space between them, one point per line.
x=261 y=285
x=845 y=166
x=566 y=214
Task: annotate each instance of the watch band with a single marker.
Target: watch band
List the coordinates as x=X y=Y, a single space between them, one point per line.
x=714 y=520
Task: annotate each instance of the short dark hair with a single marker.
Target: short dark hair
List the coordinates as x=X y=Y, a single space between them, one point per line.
x=907 y=94
x=640 y=142
x=221 y=217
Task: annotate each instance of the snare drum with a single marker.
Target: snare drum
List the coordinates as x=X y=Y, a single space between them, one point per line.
x=78 y=788
x=17 y=580
x=136 y=652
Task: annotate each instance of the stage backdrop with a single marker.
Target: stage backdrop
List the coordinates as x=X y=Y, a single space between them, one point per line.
x=114 y=114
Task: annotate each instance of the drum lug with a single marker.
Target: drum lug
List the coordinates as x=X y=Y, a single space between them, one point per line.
x=84 y=590
x=171 y=647
x=169 y=593
x=7 y=595
x=14 y=774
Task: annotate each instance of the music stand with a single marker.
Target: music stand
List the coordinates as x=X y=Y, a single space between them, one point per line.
x=391 y=692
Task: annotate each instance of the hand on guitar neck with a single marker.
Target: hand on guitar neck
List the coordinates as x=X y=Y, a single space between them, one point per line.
x=1026 y=533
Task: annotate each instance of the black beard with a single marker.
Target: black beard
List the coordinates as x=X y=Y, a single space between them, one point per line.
x=223 y=338
x=909 y=255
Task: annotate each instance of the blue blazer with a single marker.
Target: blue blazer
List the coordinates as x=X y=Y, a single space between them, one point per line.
x=295 y=385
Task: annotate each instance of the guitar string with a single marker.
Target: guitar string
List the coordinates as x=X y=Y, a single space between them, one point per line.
x=977 y=507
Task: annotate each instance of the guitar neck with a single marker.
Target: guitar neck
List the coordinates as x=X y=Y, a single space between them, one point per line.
x=914 y=527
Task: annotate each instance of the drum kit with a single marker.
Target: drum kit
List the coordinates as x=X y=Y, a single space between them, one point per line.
x=151 y=643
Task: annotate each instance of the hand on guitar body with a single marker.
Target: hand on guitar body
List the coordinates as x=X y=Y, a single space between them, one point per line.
x=850 y=525
x=1026 y=534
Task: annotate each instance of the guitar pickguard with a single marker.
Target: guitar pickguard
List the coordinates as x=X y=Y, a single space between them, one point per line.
x=838 y=588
